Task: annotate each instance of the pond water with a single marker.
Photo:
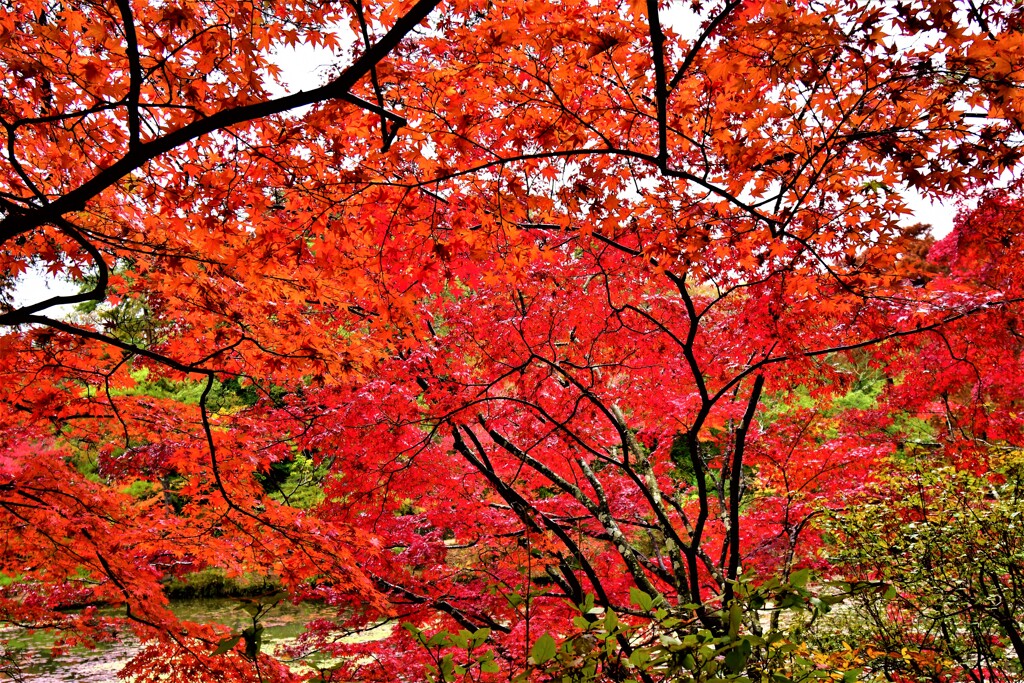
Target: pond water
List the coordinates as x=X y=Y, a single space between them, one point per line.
x=282 y=624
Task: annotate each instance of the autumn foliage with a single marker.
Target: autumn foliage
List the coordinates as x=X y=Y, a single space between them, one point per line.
x=578 y=320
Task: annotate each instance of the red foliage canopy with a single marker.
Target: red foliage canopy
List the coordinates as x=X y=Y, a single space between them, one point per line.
x=557 y=300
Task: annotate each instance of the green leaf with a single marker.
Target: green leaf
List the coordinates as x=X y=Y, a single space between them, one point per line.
x=439 y=638
x=610 y=621
x=735 y=618
x=447 y=668
x=273 y=598
x=543 y=649
x=414 y=632
x=735 y=660
x=227 y=644
x=253 y=641
x=640 y=598
x=490 y=667
x=799 y=578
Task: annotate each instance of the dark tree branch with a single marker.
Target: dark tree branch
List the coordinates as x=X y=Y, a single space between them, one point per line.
x=76 y=200
x=135 y=72
x=97 y=293
x=699 y=43
x=735 y=482
x=661 y=85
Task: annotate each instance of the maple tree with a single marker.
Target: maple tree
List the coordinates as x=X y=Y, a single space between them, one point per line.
x=568 y=312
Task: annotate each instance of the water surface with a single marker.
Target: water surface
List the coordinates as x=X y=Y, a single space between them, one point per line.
x=282 y=625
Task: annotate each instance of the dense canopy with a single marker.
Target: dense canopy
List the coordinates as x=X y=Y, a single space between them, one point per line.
x=561 y=342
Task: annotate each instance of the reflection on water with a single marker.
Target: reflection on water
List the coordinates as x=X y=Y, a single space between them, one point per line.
x=283 y=623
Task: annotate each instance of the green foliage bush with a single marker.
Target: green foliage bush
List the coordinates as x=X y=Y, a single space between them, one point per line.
x=938 y=556
x=216 y=583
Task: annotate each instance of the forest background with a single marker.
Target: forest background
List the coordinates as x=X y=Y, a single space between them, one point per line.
x=571 y=346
